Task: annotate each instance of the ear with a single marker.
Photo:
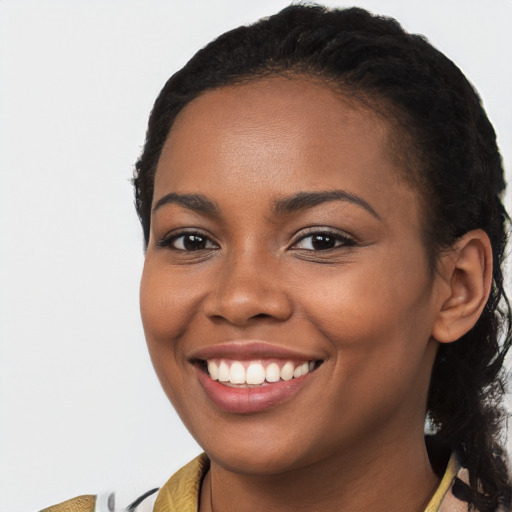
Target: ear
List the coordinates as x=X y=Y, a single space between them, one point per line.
x=466 y=272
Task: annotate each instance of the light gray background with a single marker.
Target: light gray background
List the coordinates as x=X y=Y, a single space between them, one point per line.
x=80 y=408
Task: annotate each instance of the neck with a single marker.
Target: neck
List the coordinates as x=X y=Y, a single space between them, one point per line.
x=379 y=477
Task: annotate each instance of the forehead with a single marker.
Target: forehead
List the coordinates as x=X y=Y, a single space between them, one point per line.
x=278 y=136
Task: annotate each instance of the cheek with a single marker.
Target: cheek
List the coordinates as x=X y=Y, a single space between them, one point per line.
x=167 y=308
x=167 y=302
x=378 y=298
x=377 y=321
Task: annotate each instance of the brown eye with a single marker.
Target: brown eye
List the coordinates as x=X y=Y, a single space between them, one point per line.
x=188 y=242
x=323 y=241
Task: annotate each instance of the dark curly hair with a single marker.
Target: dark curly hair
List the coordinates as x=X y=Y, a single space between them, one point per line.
x=449 y=153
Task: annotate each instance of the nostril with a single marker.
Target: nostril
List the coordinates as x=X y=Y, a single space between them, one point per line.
x=236 y=320
x=261 y=316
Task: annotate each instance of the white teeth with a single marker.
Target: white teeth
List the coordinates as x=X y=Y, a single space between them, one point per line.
x=255 y=374
x=301 y=370
x=237 y=373
x=213 y=370
x=287 y=371
x=272 y=373
x=223 y=372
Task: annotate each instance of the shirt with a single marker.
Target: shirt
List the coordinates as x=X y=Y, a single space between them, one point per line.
x=181 y=493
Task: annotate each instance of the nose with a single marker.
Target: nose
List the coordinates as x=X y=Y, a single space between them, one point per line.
x=247 y=290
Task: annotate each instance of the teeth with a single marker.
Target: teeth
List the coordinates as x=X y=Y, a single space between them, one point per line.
x=223 y=372
x=287 y=371
x=272 y=373
x=213 y=370
x=237 y=373
x=256 y=373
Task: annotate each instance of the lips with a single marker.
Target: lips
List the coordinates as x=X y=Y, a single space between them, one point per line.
x=248 y=377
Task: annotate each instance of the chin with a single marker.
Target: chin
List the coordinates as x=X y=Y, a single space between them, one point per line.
x=257 y=461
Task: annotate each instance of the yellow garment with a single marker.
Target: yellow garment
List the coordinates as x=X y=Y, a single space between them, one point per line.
x=78 y=504
x=181 y=492
x=442 y=497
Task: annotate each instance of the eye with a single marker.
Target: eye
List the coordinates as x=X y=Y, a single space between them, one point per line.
x=189 y=241
x=323 y=241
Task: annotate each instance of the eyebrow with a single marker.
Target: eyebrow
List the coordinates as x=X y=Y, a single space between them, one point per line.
x=286 y=205
x=306 y=200
x=195 y=202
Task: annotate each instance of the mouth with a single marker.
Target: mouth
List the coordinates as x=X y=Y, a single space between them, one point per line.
x=249 y=377
x=261 y=372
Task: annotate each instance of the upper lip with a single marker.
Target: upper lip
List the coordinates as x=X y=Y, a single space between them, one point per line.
x=244 y=350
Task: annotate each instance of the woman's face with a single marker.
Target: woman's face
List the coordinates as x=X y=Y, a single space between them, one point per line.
x=284 y=240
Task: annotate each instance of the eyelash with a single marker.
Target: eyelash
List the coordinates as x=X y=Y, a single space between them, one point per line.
x=339 y=239
x=169 y=240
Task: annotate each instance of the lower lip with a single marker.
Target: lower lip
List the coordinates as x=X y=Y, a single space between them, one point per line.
x=248 y=400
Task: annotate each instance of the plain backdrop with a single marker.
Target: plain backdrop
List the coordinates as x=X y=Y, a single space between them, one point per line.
x=80 y=408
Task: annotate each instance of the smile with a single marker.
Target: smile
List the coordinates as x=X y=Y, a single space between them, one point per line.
x=248 y=376
x=256 y=373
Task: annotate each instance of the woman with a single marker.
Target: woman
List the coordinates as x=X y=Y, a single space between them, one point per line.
x=320 y=200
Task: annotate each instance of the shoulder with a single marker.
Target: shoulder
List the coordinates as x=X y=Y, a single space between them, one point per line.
x=85 y=503
x=108 y=502
x=453 y=493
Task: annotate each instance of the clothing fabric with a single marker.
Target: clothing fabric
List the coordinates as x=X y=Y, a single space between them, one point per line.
x=181 y=493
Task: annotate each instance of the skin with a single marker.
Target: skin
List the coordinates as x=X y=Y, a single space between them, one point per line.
x=368 y=308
